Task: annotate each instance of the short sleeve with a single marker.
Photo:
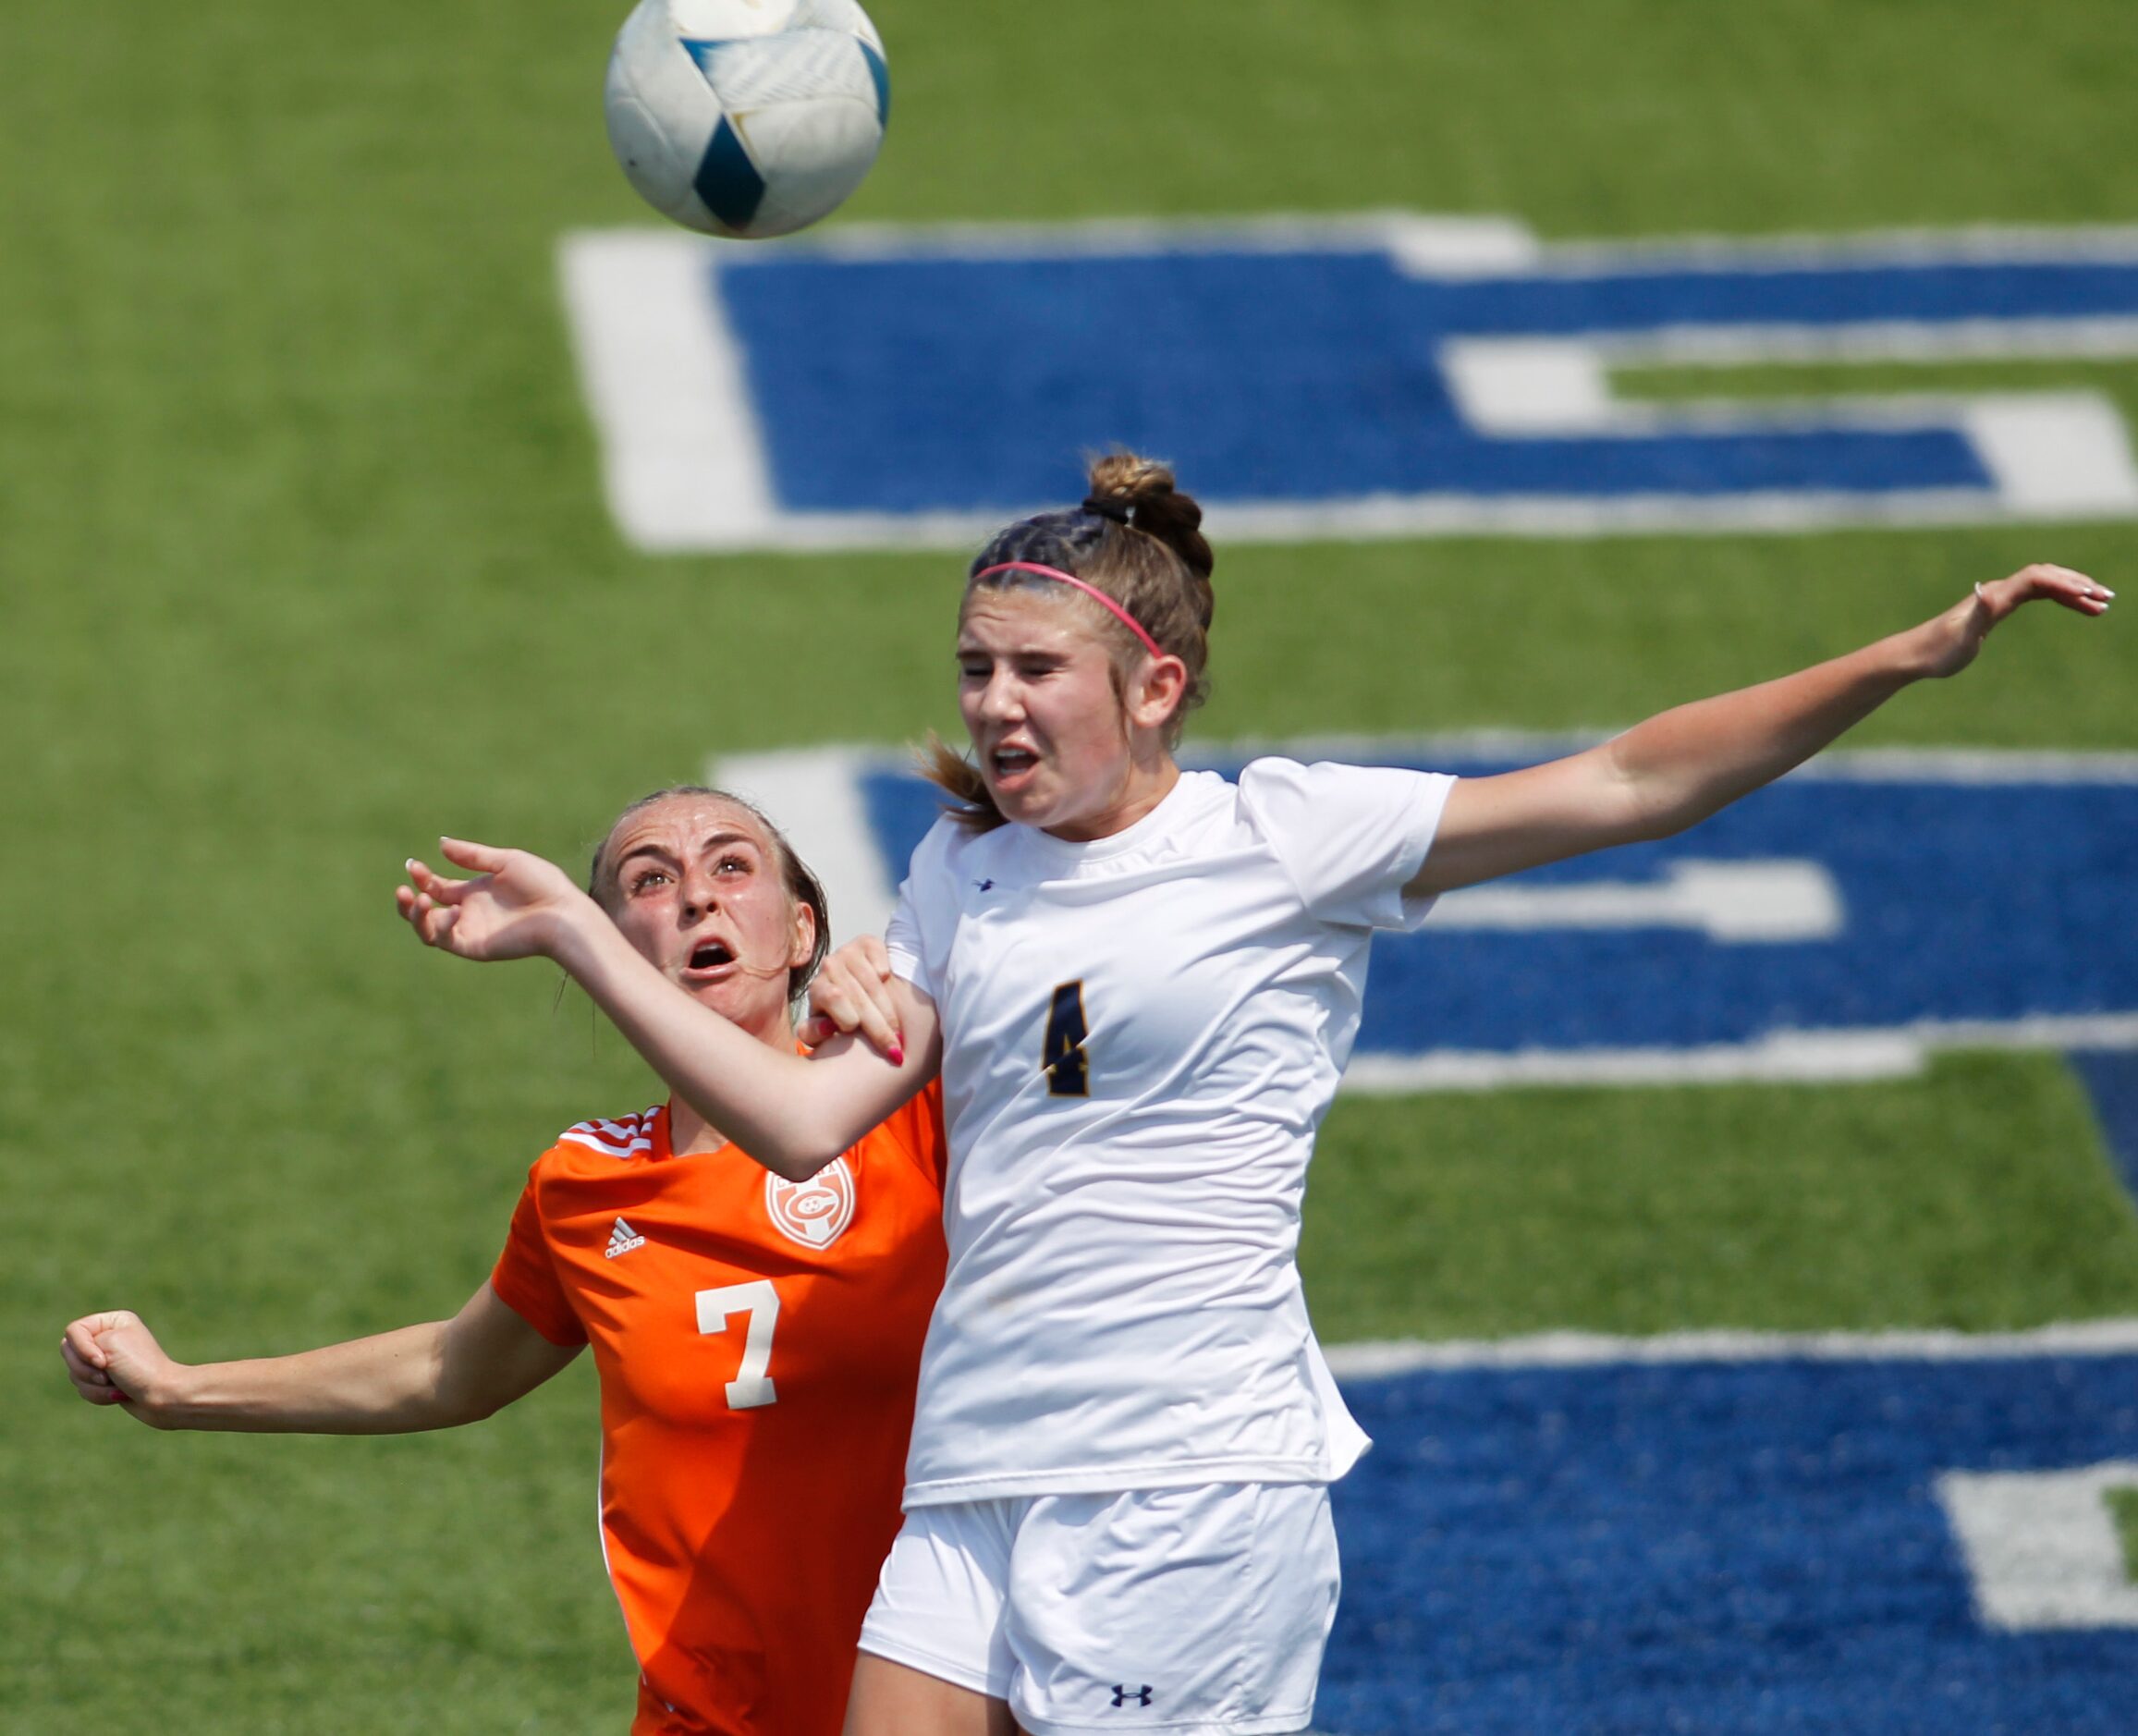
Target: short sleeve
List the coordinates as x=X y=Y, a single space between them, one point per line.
x=1350 y=836
x=918 y=937
x=917 y=1124
x=525 y=1278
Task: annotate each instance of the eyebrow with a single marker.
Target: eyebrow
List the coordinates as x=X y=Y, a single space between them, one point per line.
x=972 y=648
x=714 y=841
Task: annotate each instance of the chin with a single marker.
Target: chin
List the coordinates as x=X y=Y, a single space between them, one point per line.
x=718 y=996
x=1028 y=807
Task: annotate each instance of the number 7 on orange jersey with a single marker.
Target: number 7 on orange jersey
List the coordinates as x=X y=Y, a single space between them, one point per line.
x=758 y=1302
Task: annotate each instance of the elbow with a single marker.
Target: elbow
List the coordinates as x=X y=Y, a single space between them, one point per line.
x=796 y=1147
x=458 y=1407
x=793 y=1154
x=798 y=1160
x=1650 y=811
x=1653 y=827
x=793 y=1146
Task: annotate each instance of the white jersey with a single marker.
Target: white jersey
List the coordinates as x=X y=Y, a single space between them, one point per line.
x=1140 y=1036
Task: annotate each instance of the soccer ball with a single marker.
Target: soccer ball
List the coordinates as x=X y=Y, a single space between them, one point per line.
x=747 y=118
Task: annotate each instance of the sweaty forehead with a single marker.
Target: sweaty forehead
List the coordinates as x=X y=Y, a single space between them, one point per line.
x=1042 y=612
x=685 y=825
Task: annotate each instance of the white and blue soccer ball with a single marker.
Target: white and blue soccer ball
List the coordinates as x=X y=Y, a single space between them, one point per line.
x=747 y=118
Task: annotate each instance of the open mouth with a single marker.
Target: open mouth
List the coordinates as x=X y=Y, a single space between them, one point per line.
x=1011 y=761
x=710 y=955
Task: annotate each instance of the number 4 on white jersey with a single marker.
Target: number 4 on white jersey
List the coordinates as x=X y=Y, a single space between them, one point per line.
x=760 y=1301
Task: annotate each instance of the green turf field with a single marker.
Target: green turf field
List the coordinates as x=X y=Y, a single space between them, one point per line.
x=303 y=560
x=2124 y=1504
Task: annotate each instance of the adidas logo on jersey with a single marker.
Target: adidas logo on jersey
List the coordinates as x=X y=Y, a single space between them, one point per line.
x=623 y=1238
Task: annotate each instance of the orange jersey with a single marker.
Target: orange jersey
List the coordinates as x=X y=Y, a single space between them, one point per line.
x=758 y=1342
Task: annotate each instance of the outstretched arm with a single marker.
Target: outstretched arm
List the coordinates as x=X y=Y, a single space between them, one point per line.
x=435 y=1376
x=1679 y=766
x=793 y=1116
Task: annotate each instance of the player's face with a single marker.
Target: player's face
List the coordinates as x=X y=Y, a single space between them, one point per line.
x=1035 y=685
x=697 y=892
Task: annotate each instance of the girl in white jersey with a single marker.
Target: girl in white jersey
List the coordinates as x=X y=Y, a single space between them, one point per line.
x=1139 y=986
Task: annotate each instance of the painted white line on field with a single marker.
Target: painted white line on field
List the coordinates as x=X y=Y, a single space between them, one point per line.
x=1731 y=902
x=2053 y=453
x=1975 y=767
x=683 y=456
x=1380 y=1358
x=1438 y=246
x=1788 y=1058
x=2111 y=243
x=1782 y=1057
x=1869 y=343
x=1528 y=386
x=1378 y=518
x=2047 y=453
x=1979 y=768
x=2042 y=1547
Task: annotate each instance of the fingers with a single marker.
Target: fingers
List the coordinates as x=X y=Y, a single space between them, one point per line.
x=85 y=1336
x=853 y=994
x=432 y=885
x=2043 y=581
x=880 y=1026
x=432 y=921
x=485 y=859
x=92 y=1385
x=88 y=1365
x=86 y=1369
x=78 y=1344
x=834 y=1008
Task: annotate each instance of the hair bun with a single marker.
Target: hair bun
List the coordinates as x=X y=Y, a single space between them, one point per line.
x=1144 y=488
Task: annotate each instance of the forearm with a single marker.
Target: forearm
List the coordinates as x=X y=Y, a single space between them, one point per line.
x=1683 y=764
x=1679 y=766
x=391 y=1384
x=789 y=1114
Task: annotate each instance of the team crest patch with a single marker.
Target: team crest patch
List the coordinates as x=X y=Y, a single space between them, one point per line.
x=814 y=1213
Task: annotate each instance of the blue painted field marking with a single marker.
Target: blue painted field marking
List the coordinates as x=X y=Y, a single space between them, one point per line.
x=1426 y=375
x=1725 y=1547
x=964 y=384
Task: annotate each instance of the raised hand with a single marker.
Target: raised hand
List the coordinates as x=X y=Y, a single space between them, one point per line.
x=519 y=906
x=852 y=993
x=1968 y=622
x=113 y=1359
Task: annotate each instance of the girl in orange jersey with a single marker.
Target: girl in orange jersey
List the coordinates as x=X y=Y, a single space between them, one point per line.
x=757 y=1340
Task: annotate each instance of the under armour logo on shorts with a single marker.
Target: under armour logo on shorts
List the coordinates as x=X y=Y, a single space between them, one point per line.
x=1142 y=1696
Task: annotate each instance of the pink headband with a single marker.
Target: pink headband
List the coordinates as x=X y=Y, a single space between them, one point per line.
x=1133 y=624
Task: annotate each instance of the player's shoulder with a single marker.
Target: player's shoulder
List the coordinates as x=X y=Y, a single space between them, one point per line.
x=1281 y=787
x=944 y=841
x=613 y=1140
x=911 y=1139
x=1277 y=775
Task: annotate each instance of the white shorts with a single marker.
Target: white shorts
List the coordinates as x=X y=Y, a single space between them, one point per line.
x=1184 y=1611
